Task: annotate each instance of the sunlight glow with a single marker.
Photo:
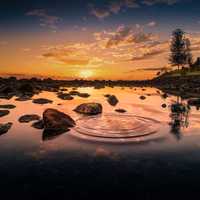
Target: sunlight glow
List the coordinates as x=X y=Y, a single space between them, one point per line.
x=86 y=73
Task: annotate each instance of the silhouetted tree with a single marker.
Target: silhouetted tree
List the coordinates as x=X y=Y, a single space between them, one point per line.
x=178 y=48
x=188 y=54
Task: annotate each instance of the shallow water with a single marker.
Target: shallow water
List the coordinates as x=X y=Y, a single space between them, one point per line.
x=139 y=150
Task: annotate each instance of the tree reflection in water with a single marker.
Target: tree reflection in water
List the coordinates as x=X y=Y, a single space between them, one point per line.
x=179 y=117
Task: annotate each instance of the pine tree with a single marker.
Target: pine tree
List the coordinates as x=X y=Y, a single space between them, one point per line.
x=189 y=57
x=178 y=50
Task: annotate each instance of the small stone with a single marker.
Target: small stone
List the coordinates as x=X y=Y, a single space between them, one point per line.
x=83 y=95
x=28 y=118
x=4 y=128
x=65 y=96
x=38 y=124
x=4 y=113
x=112 y=100
x=8 y=106
x=142 y=97
x=164 y=105
x=89 y=108
x=23 y=98
x=42 y=101
x=120 y=110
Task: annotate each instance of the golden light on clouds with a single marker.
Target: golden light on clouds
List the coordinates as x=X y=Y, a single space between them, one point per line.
x=86 y=73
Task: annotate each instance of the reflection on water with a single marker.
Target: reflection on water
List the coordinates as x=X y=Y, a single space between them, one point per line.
x=165 y=145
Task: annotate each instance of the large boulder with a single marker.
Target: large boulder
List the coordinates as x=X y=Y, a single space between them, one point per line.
x=56 y=121
x=89 y=108
x=4 y=128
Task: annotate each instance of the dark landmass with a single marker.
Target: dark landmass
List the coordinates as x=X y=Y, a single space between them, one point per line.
x=184 y=86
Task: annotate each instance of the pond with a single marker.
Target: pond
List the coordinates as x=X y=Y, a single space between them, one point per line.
x=146 y=149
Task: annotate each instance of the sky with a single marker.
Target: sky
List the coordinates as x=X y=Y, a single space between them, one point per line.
x=93 y=39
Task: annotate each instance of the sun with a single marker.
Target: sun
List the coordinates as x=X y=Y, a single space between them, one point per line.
x=86 y=73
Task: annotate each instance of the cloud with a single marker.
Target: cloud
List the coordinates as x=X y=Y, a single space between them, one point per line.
x=123 y=36
x=149 y=55
x=46 y=20
x=152 y=24
x=3 y=43
x=112 y=8
x=153 y=2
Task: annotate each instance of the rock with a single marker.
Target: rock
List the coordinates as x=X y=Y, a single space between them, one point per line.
x=8 y=106
x=83 y=95
x=4 y=128
x=121 y=110
x=194 y=102
x=42 y=101
x=112 y=100
x=65 y=96
x=164 y=105
x=74 y=93
x=107 y=95
x=23 y=98
x=28 y=118
x=26 y=88
x=38 y=124
x=164 y=95
x=142 y=97
x=89 y=108
x=6 y=92
x=50 y=134
x=56 y=121
x=4 y=113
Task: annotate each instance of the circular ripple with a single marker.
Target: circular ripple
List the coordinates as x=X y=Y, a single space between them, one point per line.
x=117 y=126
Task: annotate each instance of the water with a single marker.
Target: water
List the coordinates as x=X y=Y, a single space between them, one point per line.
x=142 y=152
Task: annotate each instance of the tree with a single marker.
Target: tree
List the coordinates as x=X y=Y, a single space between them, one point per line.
x=178 y=48
x=188 y=54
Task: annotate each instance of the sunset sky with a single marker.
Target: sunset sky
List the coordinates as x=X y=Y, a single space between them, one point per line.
x=94 y=39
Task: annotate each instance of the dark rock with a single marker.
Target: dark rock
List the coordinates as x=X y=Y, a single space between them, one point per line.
x=142 y=97
x=65 y=96
x=42 y=101
x=50 y=134
x=4 y=128
x=74 y=93
x=83 y=95
x=26 y=88
x=164 y=105
x=121 y=110
x=28 y=118
x=164 y=95
x=8 y=106
x=56 y=121
x=112 y=100
x=4 y=113
x=194 y=102
x=23 y=98
x=178 y=108
x=89 y=108
x=38 y=125
x=107 y=95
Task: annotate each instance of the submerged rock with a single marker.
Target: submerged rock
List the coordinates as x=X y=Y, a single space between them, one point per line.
x=4 y=113
x=120 y=110
x=56 y=121
x=89 y=108
x=42 y=101
x=38 y=124
x=65 y=96
x=112 y=100
x=28 y=118
x=8 y=106
x=4 y=128
x=164 y=105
